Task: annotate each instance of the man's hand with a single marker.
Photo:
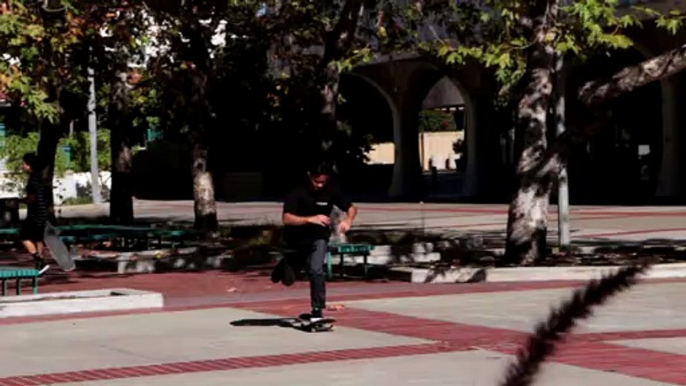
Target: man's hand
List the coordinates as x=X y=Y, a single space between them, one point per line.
x=344 y=225
x=319 y=220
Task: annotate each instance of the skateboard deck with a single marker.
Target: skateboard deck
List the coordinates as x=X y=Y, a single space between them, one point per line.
x=303 y=322
x=59 y=251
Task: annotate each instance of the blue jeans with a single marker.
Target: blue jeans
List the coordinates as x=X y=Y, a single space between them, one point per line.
x=312 y=256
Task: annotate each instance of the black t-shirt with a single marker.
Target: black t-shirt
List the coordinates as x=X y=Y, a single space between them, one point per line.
x=305 y=202
x=37 y=210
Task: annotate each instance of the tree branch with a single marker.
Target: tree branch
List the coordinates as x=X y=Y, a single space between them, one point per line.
x=595 y=94
x=630 y=78
x=339 y=39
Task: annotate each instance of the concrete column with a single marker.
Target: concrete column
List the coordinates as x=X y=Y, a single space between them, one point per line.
x=679 y=83
x=483 y=177
x=402 y=174
x=669 y=184
x=407 y=173
x=471 y=178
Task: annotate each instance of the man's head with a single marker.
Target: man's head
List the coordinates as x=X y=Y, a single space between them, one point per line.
x=318 y=176
x=29 y=164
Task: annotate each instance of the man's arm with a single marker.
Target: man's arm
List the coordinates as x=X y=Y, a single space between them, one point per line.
x=351 y=213
x=289 y=218
x=344 y=204
x=293 y=220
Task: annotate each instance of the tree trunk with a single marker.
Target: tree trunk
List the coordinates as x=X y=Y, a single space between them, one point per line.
x=205 y=207
x=200 y=119
x=121 y=194
x=329 y=99
x=527 y=220
x=528 y=213
x=336 y=43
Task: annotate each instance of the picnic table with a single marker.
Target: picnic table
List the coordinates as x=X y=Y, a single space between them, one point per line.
x=85 y=233
x=347 y=249
x=18 y=274
x=337 y=249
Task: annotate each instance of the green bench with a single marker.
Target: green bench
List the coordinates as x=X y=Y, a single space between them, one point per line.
x=18 y=274
x=347 y=249
x=340 y=250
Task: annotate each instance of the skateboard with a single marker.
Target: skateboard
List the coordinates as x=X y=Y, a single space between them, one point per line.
x=303 y=322
x=59 y=251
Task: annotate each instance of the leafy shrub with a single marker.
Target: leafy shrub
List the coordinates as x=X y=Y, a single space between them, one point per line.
x=76 y=160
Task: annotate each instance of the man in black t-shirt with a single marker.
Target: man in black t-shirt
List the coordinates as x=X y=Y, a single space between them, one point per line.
x=307 y=228
x=33 y=228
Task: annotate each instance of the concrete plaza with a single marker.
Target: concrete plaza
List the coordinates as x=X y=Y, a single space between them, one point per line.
x=222 y=328
x=399 y=334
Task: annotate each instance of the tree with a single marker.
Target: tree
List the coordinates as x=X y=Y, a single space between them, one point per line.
x=113 y=34
x=298 y=48
x=129 y=25
x=185 y=68
x=41 y=72
x=520 y=41
x=314 y=42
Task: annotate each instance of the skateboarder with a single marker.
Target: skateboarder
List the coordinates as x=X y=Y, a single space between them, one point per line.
x=33 y=228
x=307 y=228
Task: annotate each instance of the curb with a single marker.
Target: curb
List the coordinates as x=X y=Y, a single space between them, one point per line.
x=524 y=274
x=59 y=303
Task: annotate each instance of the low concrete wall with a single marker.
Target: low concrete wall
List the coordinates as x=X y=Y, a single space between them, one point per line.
x=79 y=302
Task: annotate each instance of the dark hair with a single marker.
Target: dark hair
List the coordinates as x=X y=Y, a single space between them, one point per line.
x=320 y=168
x=30 y=159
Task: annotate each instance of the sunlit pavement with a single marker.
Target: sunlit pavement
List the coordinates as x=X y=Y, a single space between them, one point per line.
x=386 y=334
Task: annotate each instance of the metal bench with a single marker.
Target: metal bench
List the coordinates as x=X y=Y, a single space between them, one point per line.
x=347 y=249
x=18 y=274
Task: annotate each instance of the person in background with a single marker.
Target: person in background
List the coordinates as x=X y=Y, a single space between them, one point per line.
x=33 y=227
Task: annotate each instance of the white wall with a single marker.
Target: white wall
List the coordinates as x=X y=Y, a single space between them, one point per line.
x=64 y=187
x=437 y=146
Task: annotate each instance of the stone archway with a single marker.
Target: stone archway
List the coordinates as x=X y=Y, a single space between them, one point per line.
x=406 y=83
x=368 y=108
x=448 y=96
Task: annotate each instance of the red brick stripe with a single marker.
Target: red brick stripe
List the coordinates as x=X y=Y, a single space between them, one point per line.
x=641 y=363
x=224 y=364
x=626 y=335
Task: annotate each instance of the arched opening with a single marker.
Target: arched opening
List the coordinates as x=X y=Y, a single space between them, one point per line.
x=368 y=120
x=443 y=138
x=621 y=163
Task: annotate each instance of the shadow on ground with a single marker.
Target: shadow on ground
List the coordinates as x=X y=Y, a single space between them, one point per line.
x=294 y=323
x=269 y=322
x=486 y=248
